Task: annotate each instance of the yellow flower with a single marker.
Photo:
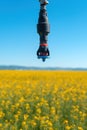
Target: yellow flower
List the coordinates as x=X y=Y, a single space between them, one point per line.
x=0 y=125
x=67 y=128
x=27 y=106
x=21 y=100
x=66 y=122
x=26 y=116
x=23 y=123
x=33 y=123
x=36 y=118
x=38 y=110
x=50 y=124
x=52 y=110
x=17 y=105
x=16 y=116
x=2 y=114
x=80 y=128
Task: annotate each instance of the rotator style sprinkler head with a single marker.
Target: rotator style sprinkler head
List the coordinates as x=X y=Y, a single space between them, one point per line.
x=43 y=29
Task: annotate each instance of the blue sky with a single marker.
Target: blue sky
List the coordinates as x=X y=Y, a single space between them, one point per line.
x=19 y=40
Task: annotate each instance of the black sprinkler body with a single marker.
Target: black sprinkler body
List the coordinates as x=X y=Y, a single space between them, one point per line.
x=43 y=29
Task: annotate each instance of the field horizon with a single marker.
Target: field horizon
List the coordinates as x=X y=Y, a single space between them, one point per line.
x=20 y=67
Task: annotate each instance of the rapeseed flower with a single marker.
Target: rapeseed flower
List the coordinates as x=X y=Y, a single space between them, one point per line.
x=48 y=100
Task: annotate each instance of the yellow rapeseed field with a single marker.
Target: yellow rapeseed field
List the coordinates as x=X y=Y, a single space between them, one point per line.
x=43 y=100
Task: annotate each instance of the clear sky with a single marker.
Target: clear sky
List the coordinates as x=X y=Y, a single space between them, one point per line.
x=19 y=40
